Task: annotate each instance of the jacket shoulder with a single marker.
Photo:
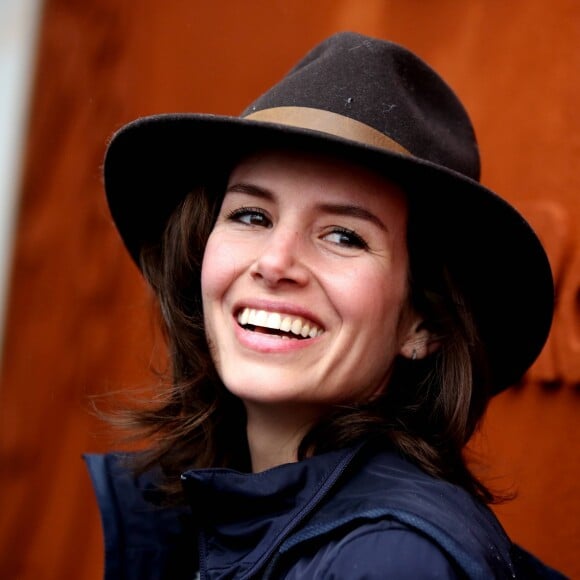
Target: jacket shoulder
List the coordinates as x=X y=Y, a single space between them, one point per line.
x=377 y=550
x=384 y=487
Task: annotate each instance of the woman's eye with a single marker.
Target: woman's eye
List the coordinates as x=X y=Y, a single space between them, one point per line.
x=346 y=238
x=251 y=216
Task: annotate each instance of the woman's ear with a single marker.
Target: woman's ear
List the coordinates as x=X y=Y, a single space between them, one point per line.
x=418 y=342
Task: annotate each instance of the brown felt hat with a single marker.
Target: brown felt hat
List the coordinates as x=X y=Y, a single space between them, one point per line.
x=379 y=105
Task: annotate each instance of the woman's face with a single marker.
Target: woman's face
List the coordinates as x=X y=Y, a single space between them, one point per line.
x=304 y=281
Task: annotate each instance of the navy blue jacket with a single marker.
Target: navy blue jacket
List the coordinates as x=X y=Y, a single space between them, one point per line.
x=350 y=514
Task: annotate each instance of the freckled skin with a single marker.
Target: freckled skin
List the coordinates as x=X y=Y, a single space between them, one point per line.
x=288 y=248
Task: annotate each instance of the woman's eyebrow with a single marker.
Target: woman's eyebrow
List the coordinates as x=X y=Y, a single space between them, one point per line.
x=353 y=211
x=344 y=209
x=250 y=189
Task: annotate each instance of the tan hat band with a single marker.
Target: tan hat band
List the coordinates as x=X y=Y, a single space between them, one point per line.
x=328 y=122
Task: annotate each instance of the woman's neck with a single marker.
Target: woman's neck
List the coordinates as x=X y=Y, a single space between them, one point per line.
x=275 y=433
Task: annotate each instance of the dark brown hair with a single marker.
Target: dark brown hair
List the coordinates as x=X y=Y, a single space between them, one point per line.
x=428 y=412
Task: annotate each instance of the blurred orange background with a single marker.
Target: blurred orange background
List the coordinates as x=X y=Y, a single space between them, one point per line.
x=78 y=315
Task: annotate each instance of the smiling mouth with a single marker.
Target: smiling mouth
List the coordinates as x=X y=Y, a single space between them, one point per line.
x=278 y=324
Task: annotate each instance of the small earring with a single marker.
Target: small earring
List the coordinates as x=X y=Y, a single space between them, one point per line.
x=414 y=354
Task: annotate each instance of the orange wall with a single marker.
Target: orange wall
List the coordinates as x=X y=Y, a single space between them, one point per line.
x=78 y=322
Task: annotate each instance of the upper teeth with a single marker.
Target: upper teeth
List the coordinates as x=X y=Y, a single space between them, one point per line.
x=278 y=321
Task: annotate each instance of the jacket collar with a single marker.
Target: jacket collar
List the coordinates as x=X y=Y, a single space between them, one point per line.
x=245 y=517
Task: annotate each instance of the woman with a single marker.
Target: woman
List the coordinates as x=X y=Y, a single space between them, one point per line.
x=340 y=297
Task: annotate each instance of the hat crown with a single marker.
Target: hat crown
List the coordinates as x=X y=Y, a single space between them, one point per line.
x=386 y=87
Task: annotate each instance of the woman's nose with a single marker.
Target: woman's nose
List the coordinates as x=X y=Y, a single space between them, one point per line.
x=281 y=259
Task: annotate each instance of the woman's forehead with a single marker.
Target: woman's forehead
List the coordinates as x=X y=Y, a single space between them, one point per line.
x=289 y=171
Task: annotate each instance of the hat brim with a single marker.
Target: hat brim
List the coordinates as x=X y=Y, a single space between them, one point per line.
x=153 y=163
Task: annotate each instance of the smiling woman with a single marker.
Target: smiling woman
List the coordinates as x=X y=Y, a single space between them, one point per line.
x=297 y=238
x=335 y=331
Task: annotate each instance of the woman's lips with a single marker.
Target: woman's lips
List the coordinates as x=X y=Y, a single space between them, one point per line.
x=278 y=324
x=273 y=331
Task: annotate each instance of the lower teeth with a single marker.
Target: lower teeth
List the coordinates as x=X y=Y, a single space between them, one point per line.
x=272 y=332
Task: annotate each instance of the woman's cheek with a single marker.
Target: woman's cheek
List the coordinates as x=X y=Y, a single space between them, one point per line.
x=220 y=266
x=212 y=275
